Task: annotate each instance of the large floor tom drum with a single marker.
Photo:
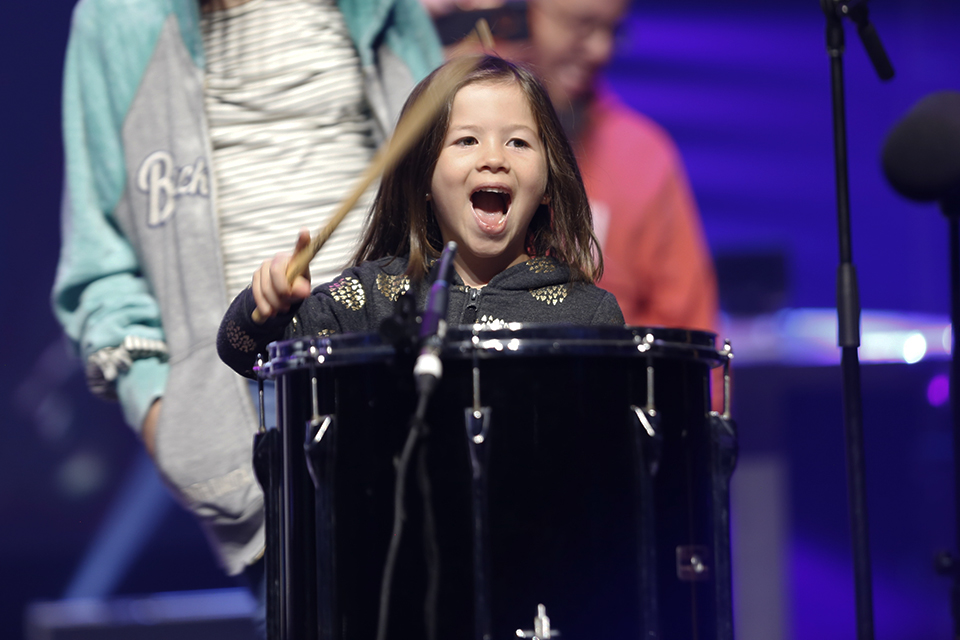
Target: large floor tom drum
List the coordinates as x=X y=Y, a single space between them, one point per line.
x=569 y=474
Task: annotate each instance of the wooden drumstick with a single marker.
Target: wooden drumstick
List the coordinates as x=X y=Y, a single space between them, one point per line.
x=410 y=127
x=486 y=36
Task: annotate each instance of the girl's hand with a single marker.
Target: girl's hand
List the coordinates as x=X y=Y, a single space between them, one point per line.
x=271 y=291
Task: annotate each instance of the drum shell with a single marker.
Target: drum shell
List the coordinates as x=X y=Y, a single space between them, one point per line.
x=573 y=516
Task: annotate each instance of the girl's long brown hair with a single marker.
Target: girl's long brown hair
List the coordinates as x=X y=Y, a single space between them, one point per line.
x=402 y=223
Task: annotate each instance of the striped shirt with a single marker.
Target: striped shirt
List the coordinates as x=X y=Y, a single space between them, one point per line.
x=291 y=131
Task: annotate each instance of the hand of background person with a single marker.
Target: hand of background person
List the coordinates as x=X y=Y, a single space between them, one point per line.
x=437 y=8
x=270 y=289
x=149 y=431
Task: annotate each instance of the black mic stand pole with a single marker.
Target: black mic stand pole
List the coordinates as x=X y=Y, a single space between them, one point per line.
x=848 y=309
x=946 y=562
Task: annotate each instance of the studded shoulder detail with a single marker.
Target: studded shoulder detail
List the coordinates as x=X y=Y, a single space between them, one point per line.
x=552 y=295
x=392 y=287
x=348 y=291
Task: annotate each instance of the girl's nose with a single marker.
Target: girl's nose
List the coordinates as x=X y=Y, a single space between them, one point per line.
x=493 y=158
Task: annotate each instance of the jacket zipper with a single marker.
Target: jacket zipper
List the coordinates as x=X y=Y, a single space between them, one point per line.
x=470 y=309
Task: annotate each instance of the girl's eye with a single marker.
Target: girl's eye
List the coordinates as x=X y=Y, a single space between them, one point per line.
x=466 y=141
x=517 y=142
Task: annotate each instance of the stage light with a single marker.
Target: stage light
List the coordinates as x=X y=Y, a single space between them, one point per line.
x=914 y=348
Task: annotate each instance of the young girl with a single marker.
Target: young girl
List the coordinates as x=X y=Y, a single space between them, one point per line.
x=495 y=174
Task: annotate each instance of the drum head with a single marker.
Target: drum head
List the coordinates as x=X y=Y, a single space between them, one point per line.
x=514 y=339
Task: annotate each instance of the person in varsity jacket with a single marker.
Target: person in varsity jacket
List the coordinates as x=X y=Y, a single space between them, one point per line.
x=197 y=136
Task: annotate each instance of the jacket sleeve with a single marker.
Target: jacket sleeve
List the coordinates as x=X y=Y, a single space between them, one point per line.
x=100 y=295
x=341 y=306
x=240 y=339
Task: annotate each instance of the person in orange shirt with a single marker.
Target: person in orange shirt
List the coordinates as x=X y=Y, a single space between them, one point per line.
x=656 y=259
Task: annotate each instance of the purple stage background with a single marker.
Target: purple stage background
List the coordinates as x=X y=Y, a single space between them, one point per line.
x=745 y=90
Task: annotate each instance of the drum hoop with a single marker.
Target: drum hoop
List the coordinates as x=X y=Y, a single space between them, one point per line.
x=514 y=341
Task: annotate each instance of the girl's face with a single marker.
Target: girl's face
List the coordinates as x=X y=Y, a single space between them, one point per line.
x=490 y=178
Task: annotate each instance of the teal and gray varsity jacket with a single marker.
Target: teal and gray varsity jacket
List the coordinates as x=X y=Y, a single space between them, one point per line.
x=140 y=286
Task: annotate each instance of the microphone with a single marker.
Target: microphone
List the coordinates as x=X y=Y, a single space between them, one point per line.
x=921 y=155
x=428 y=369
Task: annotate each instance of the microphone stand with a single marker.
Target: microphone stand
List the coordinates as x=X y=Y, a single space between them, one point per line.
x=947 y=563
x=848 y=302
x=427 y=373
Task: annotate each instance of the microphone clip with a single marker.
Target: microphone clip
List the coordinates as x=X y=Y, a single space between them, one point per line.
x=857 y=11
x=433 y=327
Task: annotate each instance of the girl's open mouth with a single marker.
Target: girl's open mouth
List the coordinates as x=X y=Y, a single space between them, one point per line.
x=490 y=206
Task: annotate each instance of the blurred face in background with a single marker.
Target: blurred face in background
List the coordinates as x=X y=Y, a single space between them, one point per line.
x=572 y=41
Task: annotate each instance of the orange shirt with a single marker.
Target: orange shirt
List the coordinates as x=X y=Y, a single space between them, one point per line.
x=656 y=260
